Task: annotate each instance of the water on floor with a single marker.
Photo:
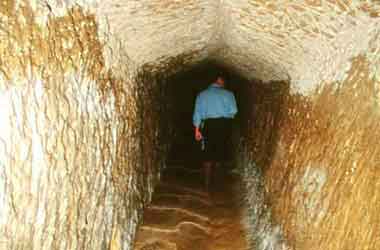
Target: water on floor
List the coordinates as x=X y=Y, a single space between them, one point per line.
x=184 y=216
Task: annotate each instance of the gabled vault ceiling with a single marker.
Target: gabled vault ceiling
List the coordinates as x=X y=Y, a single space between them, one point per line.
x=305 y=41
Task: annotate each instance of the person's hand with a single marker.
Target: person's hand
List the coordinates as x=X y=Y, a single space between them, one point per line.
x=198 y=134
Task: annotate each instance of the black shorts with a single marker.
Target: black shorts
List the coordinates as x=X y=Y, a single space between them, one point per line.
x=217 y=139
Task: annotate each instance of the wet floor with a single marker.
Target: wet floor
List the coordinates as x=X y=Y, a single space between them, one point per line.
x=183 y=216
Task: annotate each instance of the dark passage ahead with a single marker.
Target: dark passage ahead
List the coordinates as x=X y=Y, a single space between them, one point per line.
x=183 y=89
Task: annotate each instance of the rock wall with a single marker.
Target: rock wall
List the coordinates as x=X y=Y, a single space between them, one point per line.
x=311 y=141
x=77 y=124
x=319 y=160
x=83 y=131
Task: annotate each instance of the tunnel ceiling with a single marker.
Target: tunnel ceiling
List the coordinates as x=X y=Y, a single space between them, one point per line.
x=307 y=41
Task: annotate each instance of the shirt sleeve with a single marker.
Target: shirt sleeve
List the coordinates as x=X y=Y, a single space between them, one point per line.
x=233 y=107
x=197 y=115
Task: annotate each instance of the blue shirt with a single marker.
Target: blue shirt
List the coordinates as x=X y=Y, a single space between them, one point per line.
x=214 y=102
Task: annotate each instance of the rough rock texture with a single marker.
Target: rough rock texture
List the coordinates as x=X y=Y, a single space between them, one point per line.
x=151 y=30
x=320 y=165
x=74 y=171
x=256 y=152
x=81 y=126
x=183 y=216
x=306 y=42
x=329 y=166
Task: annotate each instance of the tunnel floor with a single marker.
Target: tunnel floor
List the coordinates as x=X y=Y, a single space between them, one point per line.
x=183 y=216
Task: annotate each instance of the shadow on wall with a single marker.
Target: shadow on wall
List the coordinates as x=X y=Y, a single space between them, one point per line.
x=262 y=114
x=259 y=141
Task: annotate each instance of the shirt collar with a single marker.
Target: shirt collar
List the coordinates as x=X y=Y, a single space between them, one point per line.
x=215 y=85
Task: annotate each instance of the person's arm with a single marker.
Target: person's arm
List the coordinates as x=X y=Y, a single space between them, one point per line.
x=198 y=135
x=197 y=119
x=232 y=107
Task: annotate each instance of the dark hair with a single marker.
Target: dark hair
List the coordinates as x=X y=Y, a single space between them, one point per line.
x=222 y=75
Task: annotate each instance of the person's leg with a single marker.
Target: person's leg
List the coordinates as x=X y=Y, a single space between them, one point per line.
x=225 y=140
x=222 y=147
x=210 y=151
x=206 y=159
x=207 y=166
x=215 y=134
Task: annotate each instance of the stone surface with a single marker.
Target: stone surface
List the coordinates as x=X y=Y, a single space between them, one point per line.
x=174 y=219
x=83 y=104
x=151 y=30
x=71 y=140
x=319 y=163
x=306 y=42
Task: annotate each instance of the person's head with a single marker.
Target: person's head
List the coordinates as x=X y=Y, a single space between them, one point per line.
x=220 y=80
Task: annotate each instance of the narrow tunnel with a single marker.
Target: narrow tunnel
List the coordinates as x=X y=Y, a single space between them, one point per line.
x=182 y=214
x=96 y=99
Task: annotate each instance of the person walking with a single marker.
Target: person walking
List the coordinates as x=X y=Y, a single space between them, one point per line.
x=215 y=108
